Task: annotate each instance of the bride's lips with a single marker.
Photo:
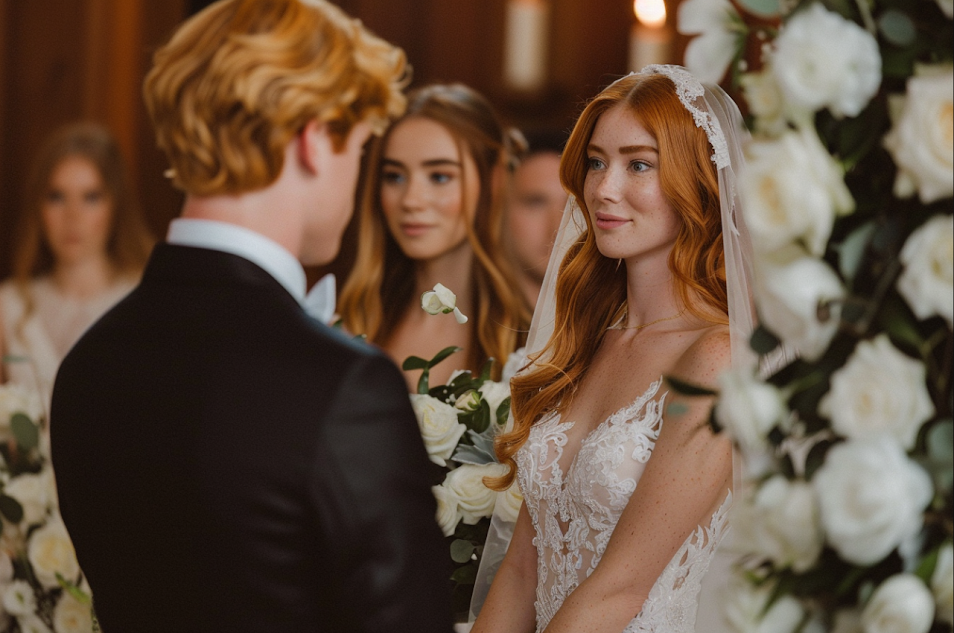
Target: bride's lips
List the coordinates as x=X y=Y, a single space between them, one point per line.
x=414 y=230
x=607 y=221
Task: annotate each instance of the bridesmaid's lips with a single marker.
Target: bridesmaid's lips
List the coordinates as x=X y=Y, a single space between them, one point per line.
x=415 y=230
x=607 y=221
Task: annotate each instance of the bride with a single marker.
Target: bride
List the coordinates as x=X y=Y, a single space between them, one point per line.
x=626 y=488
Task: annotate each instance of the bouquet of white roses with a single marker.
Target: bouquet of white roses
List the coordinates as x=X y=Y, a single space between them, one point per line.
x=41 y=587
x=458 y=422
x=847 y=525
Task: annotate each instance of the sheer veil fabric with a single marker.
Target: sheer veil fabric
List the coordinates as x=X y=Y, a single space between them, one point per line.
x=714 y=112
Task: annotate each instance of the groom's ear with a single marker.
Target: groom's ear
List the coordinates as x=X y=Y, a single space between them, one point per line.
x=313 y=143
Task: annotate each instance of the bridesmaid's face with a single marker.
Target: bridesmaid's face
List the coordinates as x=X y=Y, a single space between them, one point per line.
x=76 y=211
x=631 y=217
x=429 y=189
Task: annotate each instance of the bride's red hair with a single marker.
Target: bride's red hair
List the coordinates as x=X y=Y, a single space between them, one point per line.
x=591 y=289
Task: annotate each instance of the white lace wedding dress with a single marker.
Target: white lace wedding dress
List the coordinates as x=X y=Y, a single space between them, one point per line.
x=575 y=501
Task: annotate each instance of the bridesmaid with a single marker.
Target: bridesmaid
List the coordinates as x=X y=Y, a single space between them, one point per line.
x=431 y=211
x=80 y=246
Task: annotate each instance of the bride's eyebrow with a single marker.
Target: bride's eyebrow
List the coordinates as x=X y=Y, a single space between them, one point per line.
x=626 y=149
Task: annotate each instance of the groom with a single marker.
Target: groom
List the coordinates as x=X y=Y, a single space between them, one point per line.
x=224 y=462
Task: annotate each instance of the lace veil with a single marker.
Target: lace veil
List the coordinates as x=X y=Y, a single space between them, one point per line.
x=714 y=112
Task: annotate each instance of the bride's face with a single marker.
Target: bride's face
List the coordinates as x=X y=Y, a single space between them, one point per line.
x=631 y=217
x=76 y=211
x=426 y=205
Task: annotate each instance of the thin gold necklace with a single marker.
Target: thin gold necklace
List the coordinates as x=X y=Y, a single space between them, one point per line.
x=641 y=326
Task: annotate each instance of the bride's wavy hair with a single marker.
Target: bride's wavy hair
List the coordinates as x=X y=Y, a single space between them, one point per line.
x=591 y=288
x=380 y=286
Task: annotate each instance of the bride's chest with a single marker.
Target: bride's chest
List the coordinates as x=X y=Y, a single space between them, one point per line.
x=563 y=466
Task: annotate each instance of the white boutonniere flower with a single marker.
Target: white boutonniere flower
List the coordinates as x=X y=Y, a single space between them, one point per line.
x=442 y=300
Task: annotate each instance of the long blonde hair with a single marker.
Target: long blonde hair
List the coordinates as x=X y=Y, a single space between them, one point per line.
x=381 y=284
x=591 y=288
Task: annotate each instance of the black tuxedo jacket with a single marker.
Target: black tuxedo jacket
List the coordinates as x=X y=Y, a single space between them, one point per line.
x=226 y=463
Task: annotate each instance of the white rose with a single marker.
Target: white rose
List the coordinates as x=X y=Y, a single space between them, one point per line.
x=748 y=408
x=468 y=401
x=745 y=610
x=872 y=498
x=765 y=101
x=476 y=500
x=901 y=604
x=947 y=6
x=441 y=299
x=448 y=509
x=942 y=584
x=18 y=598
x=439 y=426
x=788 y=524
x=72 y=616
x=495 y=393
x=34 y=494
x=509 y=502
x=823 y=60
x=927 y=282
x=793 y=189
x=32 y=624
x=878 y=391
x=709 y=54
x=921 y=140
x=17 y=399
x=789 y=294
x=51 y=552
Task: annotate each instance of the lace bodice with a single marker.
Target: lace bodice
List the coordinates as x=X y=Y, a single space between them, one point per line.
x=575 y=512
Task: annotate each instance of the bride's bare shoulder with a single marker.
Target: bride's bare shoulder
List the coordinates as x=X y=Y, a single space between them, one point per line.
x=705 y=357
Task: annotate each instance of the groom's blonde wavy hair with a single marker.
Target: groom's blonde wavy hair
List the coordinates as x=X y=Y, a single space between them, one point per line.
x=591 y=288
x=241 y=78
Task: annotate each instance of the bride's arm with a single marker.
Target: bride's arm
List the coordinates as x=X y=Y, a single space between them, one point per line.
x=685 y=481
x=509 y=605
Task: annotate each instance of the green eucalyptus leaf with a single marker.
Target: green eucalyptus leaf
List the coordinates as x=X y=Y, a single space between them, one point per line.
x=897 y=28
x=761 y=8
x=485 y=370
x=70 y=587
x=503 y=410
x=424 y=381
x=27 y=433
x=763 y=341
x=466 y=575
x=461 y=550
x=413 y=362
x=481 y=419
x=925 y=568
x=444 y=353
x=852 y=250
x=688 y=388
x=11 y=509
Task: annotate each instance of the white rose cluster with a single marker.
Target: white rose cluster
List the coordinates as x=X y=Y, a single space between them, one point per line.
x=748 y=408
x=35 y=494
x=745 y=612
x=921 y=140
x=442 y=300
x=439 y=426
x=878 y=391
x=872 y=498
x=823 y=60
x=51 y=552
x=927 y=282
x=709 y=54
x=464 y=497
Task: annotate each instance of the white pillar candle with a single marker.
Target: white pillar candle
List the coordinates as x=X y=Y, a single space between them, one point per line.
x=650 y=40
x=525 y=44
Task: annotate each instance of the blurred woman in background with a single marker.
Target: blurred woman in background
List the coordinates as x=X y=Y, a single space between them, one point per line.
x=432 y=211
x=80 y=246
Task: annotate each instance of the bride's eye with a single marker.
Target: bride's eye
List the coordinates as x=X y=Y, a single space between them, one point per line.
x=593 y=163
x=392 y=177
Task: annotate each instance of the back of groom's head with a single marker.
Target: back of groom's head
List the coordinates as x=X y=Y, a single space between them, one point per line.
x=240 y=79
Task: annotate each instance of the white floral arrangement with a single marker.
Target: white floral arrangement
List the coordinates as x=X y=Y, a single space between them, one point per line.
x=458 y=422
x=846 y=524
x=41 y=587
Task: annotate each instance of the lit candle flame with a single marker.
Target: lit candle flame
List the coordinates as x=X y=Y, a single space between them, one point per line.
x=652 y=13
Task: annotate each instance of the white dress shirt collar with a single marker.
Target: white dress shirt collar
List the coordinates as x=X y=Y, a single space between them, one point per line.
x=237 y=240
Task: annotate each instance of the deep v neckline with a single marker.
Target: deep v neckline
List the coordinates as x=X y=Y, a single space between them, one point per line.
x=562 y=474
